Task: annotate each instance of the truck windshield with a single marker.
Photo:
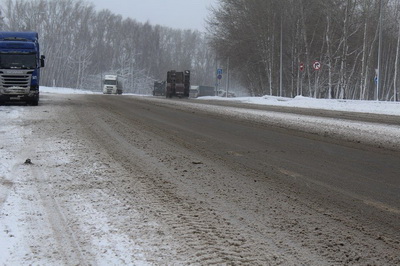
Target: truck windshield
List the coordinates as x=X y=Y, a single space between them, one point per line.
x=110 y=82
x=25 y=61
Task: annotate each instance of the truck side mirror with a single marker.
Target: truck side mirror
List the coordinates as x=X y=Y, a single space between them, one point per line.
x=42 y=61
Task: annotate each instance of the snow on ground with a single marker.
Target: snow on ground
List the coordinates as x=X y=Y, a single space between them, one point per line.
x=65 y=90
x=13 y=129
x=26 y=235
x=377 y=107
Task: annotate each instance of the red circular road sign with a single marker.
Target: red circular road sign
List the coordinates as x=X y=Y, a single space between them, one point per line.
x=301 y=66
x=316 y=65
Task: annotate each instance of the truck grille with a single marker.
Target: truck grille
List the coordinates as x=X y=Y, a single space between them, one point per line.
x=15 y=80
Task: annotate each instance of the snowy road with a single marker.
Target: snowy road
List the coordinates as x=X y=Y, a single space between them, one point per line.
x=124 y=180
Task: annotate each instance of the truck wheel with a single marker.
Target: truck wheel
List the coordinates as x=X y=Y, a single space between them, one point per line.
x=34 y=102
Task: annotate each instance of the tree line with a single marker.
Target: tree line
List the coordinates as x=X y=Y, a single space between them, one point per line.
x=316 y=48
x=82 y=44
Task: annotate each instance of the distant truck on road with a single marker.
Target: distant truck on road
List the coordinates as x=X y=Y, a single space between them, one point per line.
x=199 y=91
x=159 y=88
x=112 y=84
x=20 y=63
x=178 y=84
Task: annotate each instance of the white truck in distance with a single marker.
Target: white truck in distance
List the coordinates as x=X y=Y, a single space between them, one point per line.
x=112 y=85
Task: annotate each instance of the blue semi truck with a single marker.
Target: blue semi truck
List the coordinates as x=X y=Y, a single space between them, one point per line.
x=20 y=63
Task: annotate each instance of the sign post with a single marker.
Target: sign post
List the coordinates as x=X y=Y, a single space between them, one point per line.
x=219 y=77
x=300 y=86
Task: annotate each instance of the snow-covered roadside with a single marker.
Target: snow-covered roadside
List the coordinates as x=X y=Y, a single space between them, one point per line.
x=30 y=200
x=9 y=234
x=65 y=90
x=31 y=195
x=20 y=212
x=373 y=107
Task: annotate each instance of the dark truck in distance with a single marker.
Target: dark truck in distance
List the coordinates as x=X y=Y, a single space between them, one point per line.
x=178 y=84
x=20 y=63
x=159 y=88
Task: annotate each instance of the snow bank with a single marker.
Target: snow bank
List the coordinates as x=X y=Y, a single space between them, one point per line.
x=375 y=107
x=65 y=90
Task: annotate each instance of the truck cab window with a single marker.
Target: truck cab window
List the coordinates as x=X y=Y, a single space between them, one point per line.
x=110 y=82
x=25 y=61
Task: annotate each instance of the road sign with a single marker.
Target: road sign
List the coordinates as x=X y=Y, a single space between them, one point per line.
x=316 y=65
x=219 y=76
x=219 y=71
x=301 y=66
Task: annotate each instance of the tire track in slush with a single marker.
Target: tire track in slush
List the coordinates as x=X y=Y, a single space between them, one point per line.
x=203 y=235
x=289 y=236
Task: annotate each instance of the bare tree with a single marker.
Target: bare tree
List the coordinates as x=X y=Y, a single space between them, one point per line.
x=81 y=44
x=1 y=20
x=396 y=63
x=340 y=34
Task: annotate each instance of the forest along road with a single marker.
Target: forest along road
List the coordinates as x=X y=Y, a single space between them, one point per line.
x=143 y=180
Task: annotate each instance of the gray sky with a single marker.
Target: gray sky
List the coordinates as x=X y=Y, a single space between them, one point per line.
x=178 y=14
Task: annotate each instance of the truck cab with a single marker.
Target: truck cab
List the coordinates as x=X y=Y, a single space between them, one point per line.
x=111 y=85
x=20 y=64
x=178 y=84
x=159 y=88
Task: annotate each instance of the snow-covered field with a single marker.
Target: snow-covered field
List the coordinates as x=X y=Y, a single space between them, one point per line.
x=16 y=133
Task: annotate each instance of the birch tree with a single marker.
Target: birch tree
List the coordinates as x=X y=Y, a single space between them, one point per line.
x=1 y=20
x=340 y=34
x=81 y=45
x=396 y=62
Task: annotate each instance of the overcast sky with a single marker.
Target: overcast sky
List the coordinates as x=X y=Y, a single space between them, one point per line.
x=178 y=14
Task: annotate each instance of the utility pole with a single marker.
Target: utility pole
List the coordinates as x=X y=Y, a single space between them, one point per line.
x=227 y=78
x=281 y=62
x=216 y=76
x=396 y=63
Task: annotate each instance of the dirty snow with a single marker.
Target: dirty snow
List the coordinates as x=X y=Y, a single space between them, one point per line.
x=14 y=207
